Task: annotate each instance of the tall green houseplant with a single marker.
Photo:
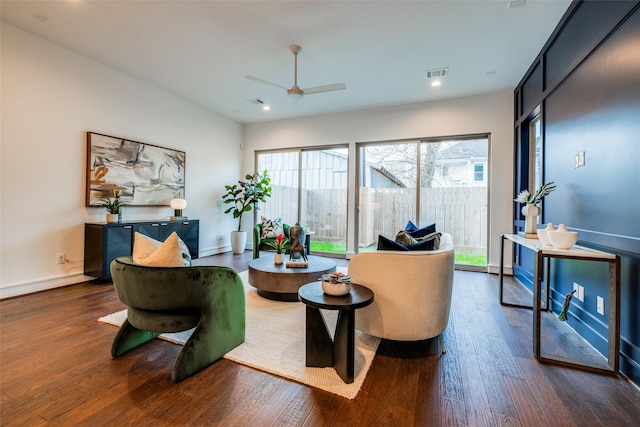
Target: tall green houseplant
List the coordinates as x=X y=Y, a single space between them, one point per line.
x=245 y=195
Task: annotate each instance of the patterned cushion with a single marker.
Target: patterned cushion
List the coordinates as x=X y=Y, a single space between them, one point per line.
x=173 y=252
x=271 y=228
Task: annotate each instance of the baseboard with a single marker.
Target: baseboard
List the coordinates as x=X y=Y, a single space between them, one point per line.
x=42 y=285
x=214 y=251
x=495 y=269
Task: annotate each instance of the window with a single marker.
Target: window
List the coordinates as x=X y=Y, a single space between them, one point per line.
x=309 y=186
x=425 y=181
x=478 y=172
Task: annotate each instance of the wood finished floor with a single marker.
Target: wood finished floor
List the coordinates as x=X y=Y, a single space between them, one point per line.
x=56 y=369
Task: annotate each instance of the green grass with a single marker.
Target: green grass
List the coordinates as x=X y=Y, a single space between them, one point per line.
x=471 y=259
x=334 y=248
x=328 y=247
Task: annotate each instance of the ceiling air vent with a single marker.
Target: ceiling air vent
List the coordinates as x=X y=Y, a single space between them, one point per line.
x=437 y=73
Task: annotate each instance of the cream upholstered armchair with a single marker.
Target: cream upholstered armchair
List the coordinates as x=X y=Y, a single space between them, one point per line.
x=412 y=292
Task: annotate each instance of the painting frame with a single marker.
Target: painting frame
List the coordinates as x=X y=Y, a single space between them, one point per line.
x=144 y=174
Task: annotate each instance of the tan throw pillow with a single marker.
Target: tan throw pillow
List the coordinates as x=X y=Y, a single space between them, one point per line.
x=173 y=252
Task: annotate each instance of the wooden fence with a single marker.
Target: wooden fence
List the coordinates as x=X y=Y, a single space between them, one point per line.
x=461 y=212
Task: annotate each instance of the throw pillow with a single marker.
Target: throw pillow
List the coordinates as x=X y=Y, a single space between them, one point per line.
x=271 y=228
x=420 y=232
x=385 y=244
x=173 y=252
x=405 y=239
x=410 y=227
x=427 y=243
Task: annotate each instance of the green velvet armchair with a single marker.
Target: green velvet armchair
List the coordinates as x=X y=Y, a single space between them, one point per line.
x=262 y=244
x=174 y=299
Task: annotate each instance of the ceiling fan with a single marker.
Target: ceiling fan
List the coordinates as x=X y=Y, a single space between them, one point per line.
x=295 y=91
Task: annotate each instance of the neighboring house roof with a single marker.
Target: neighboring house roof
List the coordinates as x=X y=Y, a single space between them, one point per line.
x=388 y=174
x=464 y=150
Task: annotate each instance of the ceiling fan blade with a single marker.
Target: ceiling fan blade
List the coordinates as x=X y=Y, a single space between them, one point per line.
x=265 y=82
x=325 y=88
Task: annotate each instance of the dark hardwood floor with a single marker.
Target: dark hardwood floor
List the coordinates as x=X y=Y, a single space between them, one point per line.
x=56 y=369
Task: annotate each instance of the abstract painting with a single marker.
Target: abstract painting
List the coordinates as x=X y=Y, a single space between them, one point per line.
x=145 y=174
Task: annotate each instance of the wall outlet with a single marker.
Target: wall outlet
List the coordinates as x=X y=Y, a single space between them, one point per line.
x=600 y=305
x=61 y=258
x=579 y=291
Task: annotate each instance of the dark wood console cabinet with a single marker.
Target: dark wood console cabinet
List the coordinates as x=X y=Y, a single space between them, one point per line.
x=104 y=242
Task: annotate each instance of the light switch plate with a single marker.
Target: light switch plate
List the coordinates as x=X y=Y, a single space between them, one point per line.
x=600 y=307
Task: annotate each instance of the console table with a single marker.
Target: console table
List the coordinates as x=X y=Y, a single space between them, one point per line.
x=543 y=253
x=104 y=242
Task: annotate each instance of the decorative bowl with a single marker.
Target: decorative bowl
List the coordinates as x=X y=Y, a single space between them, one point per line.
x=336 y=289
x=562 y=238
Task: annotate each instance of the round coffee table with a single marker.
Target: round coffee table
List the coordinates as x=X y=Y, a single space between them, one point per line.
x=277 y=282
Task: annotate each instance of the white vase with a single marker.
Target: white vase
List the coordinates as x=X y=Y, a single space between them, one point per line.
x=530 y=213
x=112 y=218
x=543 y=234
x=238 y=242
x=278 y=258
x=562 y=238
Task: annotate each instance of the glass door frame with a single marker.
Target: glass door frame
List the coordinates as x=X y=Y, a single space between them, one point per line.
x=300 y=151
x=419 y=141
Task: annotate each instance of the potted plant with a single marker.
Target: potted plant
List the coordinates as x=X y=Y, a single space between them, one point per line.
x=245 y=196
x=113 y=206
x=281 y=244
x=530 y=210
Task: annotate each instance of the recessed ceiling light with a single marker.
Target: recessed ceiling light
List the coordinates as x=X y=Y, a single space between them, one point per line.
x=266 y=108
x=436 y=83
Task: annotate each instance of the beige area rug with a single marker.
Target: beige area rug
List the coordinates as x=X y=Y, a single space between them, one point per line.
x=275 y=343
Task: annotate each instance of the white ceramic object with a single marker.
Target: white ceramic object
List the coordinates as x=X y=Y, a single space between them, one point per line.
x=562 y=238
x=543 y=234
x=111 y=218
x=278 y=258
x=336 y=289
x=530 y=213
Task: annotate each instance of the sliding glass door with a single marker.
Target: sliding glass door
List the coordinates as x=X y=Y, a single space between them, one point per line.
x=310 y=187
x=386 y=190
x=425 y=181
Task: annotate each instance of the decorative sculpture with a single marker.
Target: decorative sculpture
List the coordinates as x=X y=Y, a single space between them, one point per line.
x=297 y=236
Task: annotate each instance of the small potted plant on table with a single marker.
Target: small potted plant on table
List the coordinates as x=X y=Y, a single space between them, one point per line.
x=113 y=206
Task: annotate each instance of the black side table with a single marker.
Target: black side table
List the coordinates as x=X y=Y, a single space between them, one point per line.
x=321 y=351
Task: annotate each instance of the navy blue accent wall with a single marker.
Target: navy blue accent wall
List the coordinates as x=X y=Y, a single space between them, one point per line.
x=590 y=102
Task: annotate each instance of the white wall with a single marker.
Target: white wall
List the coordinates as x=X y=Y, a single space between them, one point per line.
x=491 y=114
x=50 y=98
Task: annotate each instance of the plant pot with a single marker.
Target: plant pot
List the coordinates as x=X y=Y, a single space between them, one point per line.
x=278 y=258
x=112 y=218
x=336 y=289
x=238 y=242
